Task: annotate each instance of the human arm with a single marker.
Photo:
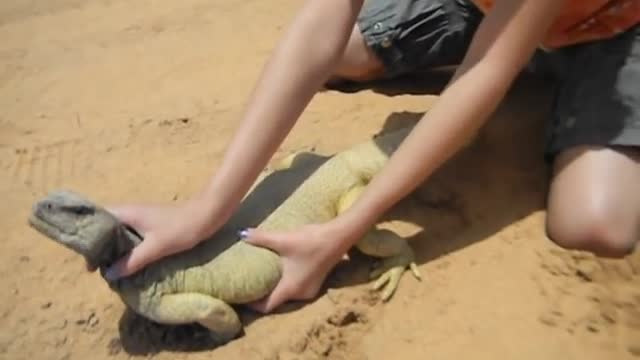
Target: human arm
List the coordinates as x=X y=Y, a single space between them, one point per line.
x=299 y=65
x=502 y=45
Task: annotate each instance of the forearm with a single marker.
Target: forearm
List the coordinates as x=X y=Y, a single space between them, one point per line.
x=300 y=64
x=499 y=50
x=442 y=132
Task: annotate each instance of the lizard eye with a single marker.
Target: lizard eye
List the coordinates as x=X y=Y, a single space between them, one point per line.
x=81 y=210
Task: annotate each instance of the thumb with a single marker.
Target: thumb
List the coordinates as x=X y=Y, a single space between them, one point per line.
x=139 y=257
x=270 y=240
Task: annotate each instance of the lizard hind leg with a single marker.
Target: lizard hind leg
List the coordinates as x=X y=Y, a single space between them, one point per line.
x=214 y=314
x=293 y=159
x=395 y=251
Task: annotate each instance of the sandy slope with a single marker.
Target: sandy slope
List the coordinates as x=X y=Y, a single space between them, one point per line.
x=135 y=101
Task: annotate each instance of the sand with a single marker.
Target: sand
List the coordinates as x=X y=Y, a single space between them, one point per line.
x=136 y=101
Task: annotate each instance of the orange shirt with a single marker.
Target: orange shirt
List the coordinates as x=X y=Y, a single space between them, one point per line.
x=586 y=20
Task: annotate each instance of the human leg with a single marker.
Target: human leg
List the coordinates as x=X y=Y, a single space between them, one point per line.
x=359 y=62
x=595 y=146
x=593 y=200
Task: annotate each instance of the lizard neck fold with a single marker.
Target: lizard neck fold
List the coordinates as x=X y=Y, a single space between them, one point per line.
x=122 y=241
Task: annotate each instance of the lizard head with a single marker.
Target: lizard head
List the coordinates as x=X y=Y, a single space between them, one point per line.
x=76 y=223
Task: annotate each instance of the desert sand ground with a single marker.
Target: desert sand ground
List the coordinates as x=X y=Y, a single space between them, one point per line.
x=135 y=101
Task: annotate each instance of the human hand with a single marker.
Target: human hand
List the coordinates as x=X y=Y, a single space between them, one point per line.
x=308 y=255
x=166 y=230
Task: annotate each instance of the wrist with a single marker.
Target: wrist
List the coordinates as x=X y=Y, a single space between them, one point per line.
x=347 y=228
x=205 y=214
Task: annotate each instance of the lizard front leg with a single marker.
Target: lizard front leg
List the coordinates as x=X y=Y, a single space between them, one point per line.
x=396 y=256
x=395 y=251
x=212 y=313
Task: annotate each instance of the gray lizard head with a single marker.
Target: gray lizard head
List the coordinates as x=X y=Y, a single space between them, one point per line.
x=81 y=226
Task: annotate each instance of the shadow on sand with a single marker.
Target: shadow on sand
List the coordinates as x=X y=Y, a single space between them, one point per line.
x=498 y=179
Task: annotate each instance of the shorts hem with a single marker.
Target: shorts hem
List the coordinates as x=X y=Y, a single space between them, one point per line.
x=628 y=138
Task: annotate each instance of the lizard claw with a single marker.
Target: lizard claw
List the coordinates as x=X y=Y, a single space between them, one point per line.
x=389 y=274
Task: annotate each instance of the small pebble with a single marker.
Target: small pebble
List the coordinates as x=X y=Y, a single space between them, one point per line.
x=93 y=320
x=62 y=325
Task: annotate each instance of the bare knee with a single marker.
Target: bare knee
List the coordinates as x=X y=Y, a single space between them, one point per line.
x=592 y=205
x=358 y=62
x=592 y=229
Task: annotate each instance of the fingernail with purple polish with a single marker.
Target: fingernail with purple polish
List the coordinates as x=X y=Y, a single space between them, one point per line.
x=111 y=274
x=243 y=234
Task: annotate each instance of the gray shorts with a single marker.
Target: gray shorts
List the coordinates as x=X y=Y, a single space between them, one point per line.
x=597 y=85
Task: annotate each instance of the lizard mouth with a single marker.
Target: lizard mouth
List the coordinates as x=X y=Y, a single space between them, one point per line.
x=45 y=227
x=61 y=235
x=41 y=222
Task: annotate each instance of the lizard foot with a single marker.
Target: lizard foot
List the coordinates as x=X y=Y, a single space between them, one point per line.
x=389 y=273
